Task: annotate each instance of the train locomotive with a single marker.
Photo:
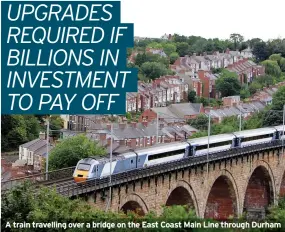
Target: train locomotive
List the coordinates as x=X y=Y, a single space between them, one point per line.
x=92 y=168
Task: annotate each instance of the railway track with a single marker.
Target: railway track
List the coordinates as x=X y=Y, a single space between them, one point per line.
x=67 y=187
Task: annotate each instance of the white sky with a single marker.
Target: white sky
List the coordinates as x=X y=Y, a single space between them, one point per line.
x=207 y=18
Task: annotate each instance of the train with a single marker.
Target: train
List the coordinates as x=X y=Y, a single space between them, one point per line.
x=92 y=167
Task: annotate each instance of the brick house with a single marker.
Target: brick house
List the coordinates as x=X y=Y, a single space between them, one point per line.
x=208 y=80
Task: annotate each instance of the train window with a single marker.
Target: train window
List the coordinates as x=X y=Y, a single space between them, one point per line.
x=166 y=154
x=139 y=160
x=220 y=144
x=83 y=167
x=131 y=161
x=94 y=169
x=257 y=137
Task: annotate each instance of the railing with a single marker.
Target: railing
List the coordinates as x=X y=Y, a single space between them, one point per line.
x=72 y=189
x=41 y=178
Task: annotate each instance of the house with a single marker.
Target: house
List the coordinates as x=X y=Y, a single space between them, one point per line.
x=208 y=80
x=231 y=101
x=247 y=53
x=173 y=114
x=33 y=153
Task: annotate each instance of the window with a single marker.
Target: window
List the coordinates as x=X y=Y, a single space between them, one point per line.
x=137 y=142
x=220 y=144
x=83 y=167
x=148 y=140
x=257 y=137
x=132 y=161
x=166 y=154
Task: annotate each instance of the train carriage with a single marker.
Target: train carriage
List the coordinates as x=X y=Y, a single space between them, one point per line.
x=95 y=167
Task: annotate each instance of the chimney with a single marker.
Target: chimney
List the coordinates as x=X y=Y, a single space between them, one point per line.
x=145 y=123
x=161 y=125
x=42 y=135
x=122 y=126
x=108 y=126
x=134 y=124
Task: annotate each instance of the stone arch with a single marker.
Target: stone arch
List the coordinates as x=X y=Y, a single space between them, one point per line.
x=182 y=194
x=223 y=198
x=259 y=192
x=134 y=202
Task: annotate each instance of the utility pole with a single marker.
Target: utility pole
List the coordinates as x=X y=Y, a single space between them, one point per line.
x=47 y=148
x=157 y=126
x=111 y=160
x=240 y=119
x=283 y=133
x=208 y=149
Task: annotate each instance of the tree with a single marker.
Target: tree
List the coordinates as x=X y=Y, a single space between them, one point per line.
x=18 y=129
x=272 y=68
x=254 y=41
x=228 y=84
x=154 y=45
x=254 y=86
x=255 y=121
x=278 y=99
x=282 y=64
x=260 y=51
x=140 y=59
x=200 y=122
x=182 y=48
x=56 y=123
x=244 y=93
x=236 y=39
x=169 y=48
x=153 y=70
x=192 y=96
x=275 y=57
x=275 y=117
x=173 y=57
x=71 y=150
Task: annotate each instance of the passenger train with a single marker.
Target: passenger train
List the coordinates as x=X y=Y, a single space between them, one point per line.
x=90 y=168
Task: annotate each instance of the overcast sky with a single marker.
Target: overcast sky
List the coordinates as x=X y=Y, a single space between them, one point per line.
x=206 y=18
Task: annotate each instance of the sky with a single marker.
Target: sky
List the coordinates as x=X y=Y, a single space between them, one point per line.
x=206 y=18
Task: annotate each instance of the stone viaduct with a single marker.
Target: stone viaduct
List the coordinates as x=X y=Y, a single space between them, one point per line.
x=248 y=183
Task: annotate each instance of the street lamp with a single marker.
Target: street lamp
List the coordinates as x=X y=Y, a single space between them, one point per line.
x=111 y=160
x=47 y=155
x=208 y=148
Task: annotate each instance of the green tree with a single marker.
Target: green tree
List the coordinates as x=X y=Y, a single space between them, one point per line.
x=237 y=39
x=169 y=48
x=244 y=93
x=200 y=122
x=71 y=150
x=272 y=68
x=56 y=124
x=278 y=99
x=275 y=117
x=255 y=121
x=228 y=84
x=275 y=57
x=140 y=59
x=260 y=51
x=173 y=57
x=182 y=48
x=18 y=129
x=192 y=96
x=32 y=127
x=153 y=70
x=254 y=87
x=282 y=64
